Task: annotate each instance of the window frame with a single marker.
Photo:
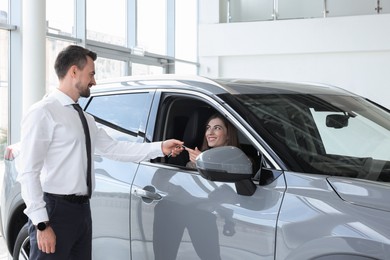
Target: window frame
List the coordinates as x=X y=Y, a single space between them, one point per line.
x=140 y=132
x=164 y=113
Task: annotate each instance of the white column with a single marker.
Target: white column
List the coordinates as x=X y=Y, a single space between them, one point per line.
x=34 y=51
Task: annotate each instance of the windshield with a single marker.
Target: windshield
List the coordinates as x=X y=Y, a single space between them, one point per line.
x=324 y=134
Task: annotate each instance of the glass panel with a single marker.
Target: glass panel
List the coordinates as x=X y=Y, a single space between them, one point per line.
x=53 y=47
x=185 y=68
x=151 y=26
x=3 y=11
x=107 y=24
x=60 y=17
x=186 y=30
x=109 y=68
x=142 y=69
x=288 y=9
x=351 y=7
x=321 y=133
x=251 y=10
x=127 y=112
x=4 y=54
x=385 y=5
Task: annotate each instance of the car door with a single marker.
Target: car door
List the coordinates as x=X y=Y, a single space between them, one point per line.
x=178 y=214
x=123 y=116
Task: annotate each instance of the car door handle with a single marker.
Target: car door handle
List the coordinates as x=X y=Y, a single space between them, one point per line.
x=147 y=194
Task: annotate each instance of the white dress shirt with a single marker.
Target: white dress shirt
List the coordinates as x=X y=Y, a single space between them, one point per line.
x=53 y=155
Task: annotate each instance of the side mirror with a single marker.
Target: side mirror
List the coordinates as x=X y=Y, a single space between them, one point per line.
x=227 y=164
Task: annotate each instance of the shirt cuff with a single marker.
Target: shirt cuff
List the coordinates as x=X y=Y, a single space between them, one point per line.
x=38 y=216
x=157 y=148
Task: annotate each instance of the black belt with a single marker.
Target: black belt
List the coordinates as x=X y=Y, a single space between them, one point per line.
x=73 y=198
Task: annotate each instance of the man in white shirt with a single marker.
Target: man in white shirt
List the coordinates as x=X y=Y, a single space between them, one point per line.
x=55 y=162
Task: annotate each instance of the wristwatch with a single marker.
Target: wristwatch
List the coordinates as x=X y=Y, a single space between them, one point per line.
x=42 y=226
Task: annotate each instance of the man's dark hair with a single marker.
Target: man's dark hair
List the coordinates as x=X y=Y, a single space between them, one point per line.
x=72 y=55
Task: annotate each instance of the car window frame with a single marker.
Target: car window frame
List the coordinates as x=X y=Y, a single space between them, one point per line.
x=140 y=134
x=160 y=116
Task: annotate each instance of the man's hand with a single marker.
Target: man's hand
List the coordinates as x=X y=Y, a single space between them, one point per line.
x=46 y=240
x=172 y=147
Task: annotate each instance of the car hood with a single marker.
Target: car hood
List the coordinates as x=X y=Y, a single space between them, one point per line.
x=364 y=193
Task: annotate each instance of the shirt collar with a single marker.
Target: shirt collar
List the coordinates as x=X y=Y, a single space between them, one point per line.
x=64 y=99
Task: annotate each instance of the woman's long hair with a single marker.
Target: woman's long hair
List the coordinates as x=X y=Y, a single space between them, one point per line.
x=231 y=132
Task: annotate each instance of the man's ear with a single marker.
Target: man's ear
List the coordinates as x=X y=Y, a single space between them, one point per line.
x=73 y=71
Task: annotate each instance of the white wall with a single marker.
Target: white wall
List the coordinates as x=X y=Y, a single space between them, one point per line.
x=350 y=52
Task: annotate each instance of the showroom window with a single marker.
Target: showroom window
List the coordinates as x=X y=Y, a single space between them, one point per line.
x=263 y=10
x=60 y=17
x=3 y=11
x=300 y=9
x=53 y=47
x=106 y=24
x=143 y=69
x=186 y=31
x=151 y=26
x=131 y=37
x=109 y=68
x=251 y=10
x=354 y=7
x=4 y=82
x=3 y=90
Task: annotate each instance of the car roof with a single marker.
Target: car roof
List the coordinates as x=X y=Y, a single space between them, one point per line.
x=214 y=86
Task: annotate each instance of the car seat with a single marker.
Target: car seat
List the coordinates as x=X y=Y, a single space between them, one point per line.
x=193 y=134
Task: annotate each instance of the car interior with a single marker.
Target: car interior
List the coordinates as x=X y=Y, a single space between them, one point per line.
x=185 y=119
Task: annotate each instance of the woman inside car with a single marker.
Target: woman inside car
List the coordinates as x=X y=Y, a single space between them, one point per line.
x=218 y=132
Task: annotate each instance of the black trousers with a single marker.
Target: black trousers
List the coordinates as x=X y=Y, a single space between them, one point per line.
x=72 y=224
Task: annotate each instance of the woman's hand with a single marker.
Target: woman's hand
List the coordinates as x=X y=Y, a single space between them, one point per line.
x=193 y=153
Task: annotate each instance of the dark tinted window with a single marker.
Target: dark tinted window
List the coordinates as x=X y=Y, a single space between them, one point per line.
x=325 y=134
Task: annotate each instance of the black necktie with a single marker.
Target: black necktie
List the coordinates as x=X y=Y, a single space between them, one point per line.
x=88 y=145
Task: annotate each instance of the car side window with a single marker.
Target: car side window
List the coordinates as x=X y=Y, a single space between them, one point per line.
x=123 y=116
x=186 y=120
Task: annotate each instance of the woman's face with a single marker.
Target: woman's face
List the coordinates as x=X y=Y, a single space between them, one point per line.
x=216 y=133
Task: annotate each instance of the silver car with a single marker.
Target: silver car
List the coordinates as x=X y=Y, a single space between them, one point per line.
x=309 y=180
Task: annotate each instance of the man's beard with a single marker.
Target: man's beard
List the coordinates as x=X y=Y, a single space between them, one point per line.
x=84 y=92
